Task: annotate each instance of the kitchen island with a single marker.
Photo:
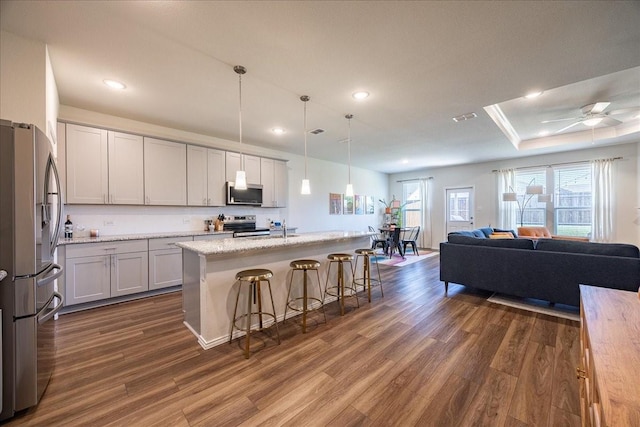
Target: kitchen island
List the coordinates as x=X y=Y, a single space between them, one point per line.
x=209 y=267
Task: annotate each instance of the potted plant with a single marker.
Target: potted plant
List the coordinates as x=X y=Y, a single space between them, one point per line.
x=388 y=206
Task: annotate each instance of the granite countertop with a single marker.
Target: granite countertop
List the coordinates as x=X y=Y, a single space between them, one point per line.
x=141 y=236
x=221 y=246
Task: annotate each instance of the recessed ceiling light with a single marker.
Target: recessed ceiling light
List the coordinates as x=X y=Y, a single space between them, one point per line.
x=114 y=84
x=405 y=161
x=277 y=131
x=360 y=95
x=532 y=95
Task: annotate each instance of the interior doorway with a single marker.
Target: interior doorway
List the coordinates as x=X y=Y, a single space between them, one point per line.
x=460 y=209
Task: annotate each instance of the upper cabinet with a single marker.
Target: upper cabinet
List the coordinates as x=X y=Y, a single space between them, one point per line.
x=165 y=172
x=205 y=176
x=273 y=177
x=251 y=167
x=103 y=167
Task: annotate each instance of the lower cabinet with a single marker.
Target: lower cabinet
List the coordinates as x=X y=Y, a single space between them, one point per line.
x=95 y=271
x=165 y=262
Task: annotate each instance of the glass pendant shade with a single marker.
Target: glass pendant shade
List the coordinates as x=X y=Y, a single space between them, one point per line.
x=306 y=187
x=241 y=180
x=349 y=191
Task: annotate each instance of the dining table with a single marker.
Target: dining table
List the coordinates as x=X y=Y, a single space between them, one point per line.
x=393 y=237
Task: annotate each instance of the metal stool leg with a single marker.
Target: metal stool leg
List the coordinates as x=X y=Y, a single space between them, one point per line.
x=324 y=313
x=273 y=308
x=248 y=324
x=235 y=310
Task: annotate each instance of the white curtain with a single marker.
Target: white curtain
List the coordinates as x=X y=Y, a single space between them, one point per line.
x=602 y=200
x=425 y=239
x=507 y=214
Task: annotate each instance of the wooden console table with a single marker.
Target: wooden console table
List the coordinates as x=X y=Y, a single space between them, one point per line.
x=610 y=357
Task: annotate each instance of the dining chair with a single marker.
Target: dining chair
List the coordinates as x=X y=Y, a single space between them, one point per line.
x=378 y=239
x=395 y=242
x=410 y=239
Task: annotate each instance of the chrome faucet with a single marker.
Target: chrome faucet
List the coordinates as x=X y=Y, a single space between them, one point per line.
x=284 y=229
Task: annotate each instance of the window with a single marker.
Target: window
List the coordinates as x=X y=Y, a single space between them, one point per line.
x=413 y=209
x=572 y=201
x=534 y=213
x=570 y=212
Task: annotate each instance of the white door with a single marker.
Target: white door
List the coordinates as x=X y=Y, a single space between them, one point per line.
x=126 y=165
x=196 y=176
x=460 y=209
x=165 y=172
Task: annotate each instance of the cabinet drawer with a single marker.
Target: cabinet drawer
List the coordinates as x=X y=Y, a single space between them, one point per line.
x=167 y=242
x=105 y=248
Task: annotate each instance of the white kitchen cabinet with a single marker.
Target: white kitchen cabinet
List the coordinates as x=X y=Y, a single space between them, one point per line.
x=251 y=167
x=87 y=165
x=205 y=176
x=273 y=177
x=126 y=165
x=165 y=172
x=165 y=262
x=96 y=271
x=103 y=167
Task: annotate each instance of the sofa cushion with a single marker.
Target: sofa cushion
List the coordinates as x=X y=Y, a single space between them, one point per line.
x=486 y=231
x=590 y=248
x=499 y=230
x=477 y=234
x=500 y=243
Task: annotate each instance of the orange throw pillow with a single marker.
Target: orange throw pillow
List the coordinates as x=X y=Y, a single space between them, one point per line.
x=501 y=235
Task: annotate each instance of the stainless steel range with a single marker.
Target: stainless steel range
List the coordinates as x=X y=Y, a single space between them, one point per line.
x=244 y=226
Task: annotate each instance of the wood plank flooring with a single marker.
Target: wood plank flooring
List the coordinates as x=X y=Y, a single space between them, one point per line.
x=416 y=357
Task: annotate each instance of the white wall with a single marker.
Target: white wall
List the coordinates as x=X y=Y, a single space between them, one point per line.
x=481 y=177
x=23 y=94
x=307 y=213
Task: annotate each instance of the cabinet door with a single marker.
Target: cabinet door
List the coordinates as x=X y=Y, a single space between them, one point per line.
x=126 y=166
x=129 y=273
x=266 y=179
x=165 y=172
x=232 y=164
x=165 y=268
x=87 y=165
x=252 y=169
x=196 y=176
x=280 y=184
x=87 y=279
x=216 y=177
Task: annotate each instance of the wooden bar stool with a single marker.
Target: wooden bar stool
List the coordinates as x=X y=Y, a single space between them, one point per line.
x=365 y=280
x=253 y=278
x=339 y=288
x=304 y=265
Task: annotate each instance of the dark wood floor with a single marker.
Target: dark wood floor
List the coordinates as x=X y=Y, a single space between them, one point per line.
x=414 y=357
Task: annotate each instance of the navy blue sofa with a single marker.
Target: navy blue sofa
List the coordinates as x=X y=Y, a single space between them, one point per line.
x=546 y=269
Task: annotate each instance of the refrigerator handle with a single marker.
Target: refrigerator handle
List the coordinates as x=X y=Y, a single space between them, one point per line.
x=51 y=167
x=52 y=312
x=50 y=278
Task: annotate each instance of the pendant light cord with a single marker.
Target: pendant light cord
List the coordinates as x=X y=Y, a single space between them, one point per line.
x=305 y=138
x=240 y=70
x=349 y=117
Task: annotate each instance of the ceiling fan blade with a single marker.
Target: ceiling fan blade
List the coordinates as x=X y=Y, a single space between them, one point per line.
x=623 y=111
x=569 y=127
x=599 y=107
x=610 y=121
x=560 y=120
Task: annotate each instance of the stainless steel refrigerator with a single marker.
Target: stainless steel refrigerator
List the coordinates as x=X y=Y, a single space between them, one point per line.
x=30 y=215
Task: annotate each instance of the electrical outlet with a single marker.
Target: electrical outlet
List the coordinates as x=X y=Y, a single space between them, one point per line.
x=109 y=223
x=186 y=220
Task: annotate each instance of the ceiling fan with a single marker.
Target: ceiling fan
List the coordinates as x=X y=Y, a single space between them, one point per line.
x=592 y=115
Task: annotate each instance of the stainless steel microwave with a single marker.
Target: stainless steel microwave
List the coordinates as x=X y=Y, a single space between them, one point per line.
x=251 y=196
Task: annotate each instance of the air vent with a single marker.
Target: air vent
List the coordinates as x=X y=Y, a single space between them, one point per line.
x=463 y=117
x=316 y=131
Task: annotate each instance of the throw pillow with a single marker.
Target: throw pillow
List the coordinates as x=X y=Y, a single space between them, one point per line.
x=501 y=235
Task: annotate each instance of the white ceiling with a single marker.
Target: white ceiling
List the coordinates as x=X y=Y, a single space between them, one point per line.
x=422 y=62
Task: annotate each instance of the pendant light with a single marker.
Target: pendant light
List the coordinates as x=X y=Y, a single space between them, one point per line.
x=241 y=176
x=306 y=187
x=349 y=191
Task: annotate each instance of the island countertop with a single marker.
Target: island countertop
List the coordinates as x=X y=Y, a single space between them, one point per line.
x=232 y=245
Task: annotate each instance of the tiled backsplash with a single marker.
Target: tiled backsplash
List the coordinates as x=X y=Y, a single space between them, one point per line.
x=113 y=220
